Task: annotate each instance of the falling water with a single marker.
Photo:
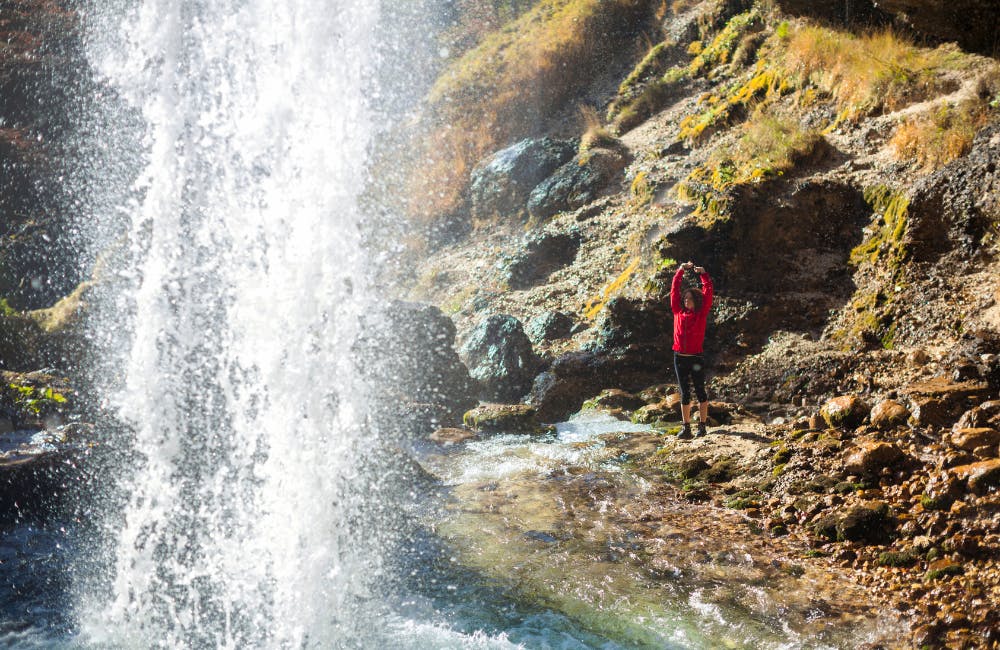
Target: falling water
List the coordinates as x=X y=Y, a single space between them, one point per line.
x=249 y=279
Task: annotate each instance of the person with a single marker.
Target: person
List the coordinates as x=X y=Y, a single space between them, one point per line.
x=690 y=308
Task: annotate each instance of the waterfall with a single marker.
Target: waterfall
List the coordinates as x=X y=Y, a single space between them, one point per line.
x=245 y=408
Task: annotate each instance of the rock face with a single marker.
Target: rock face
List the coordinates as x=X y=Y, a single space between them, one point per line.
x=407 y=352
x=501 y=183
x=576 y=183
x=954 y=207
x=538 y=256
x=500 y=358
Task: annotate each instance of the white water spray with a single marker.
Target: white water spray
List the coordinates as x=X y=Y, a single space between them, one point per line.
x=240 y=384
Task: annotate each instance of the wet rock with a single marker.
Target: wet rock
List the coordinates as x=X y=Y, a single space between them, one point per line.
x=537 y=257
x=502 y=182
x=561 y=390
x=506 y=418
x=943 y=568
x=407 y=350
x=984 y=415
x=870 y=457
x=970 y=439
x=868 y=523
x=939 y=401
x=657 y=393
x=930 y=411
x=666 y=411
x=889 y=414
x=500 y=358
x=576 y=183
x=941 y=491
x=846 y=411
x=38 y=466
x=614 y=398
x=549 y=326
x=452 y=436
x=980 y=477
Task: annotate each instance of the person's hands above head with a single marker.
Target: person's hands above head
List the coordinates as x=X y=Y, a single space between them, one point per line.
x=687 y=266
x=700 y=270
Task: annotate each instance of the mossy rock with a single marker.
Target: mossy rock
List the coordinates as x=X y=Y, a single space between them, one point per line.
x=503 y=418
x=942 y=569
x=846 y=411
x=898 y=558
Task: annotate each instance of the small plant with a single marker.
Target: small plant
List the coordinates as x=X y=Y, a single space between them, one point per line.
x=595 y=134
x=34 y=399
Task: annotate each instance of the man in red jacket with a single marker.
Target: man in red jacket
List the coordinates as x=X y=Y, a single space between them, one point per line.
x=690 y=309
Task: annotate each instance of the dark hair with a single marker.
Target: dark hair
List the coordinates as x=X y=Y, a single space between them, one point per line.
x=696 y=296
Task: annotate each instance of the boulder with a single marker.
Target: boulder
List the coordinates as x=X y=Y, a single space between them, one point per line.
x=870 y=457
x=970 y=439
x=537 y=257
x=500 y=358
x=889 y=414
x=576 y=183
x=981 y=477
x=615 y=398
x=549 y=326
x=407 y=355
x=846 y=411
x=503 y=418
x=562 y=390
x=941 y=491
x=37 y=467
x=629 y=322
x=501 y=184
x=871 y=523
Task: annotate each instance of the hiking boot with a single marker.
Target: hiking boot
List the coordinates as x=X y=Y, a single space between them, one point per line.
x=685 y=432
x=702 y=429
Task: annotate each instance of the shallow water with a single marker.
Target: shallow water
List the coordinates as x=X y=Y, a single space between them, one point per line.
x=524 y=548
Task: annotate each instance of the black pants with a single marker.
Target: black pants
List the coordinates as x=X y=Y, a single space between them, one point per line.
x=690 y=369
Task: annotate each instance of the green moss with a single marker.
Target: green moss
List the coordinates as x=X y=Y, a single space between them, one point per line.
x=719 y=51
x=950 y=570
x=779 y=469
x=782 y=455
x=942 y=502
x=898 y=558
x=743 y=500
x=886 y=243
x=652 y=65
x=815 y=553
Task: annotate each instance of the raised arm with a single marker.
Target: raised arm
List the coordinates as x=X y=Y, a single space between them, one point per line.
x=707 y=291
x=675 y=291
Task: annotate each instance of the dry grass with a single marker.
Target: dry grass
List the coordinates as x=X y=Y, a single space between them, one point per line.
x=595 y=134
x=941 y=135
x=866 y=74
x=501 y=90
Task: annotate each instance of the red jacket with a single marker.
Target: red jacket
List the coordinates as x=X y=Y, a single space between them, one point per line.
x=689 y=326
